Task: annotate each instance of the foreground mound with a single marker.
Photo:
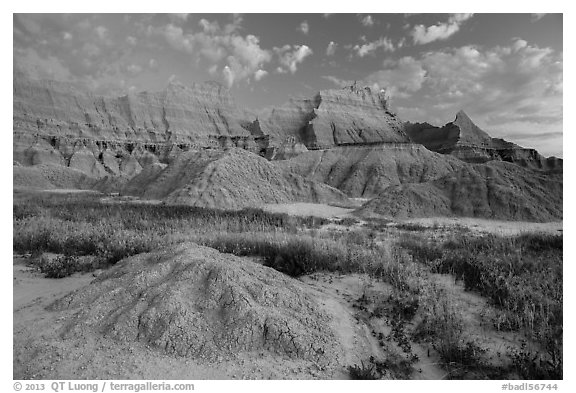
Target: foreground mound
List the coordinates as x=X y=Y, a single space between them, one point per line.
x=497 y=190
x=366 y=171
x=193 y=301
x=229 y=179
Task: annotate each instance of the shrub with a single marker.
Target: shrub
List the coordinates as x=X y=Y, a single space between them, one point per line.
x=363 y=371
x=58 y=267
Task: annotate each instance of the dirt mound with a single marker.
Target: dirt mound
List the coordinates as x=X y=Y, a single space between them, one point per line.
x=497 y=190
x=196 y=302
x=229 y=179
x=46 y=176
x=366 y=171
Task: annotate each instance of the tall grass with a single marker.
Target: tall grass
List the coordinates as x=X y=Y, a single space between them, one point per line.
x=520 y=275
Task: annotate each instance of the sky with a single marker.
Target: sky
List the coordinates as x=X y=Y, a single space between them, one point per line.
x=504 y=70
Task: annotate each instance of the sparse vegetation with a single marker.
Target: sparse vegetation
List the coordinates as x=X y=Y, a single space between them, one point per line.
x=521 y=276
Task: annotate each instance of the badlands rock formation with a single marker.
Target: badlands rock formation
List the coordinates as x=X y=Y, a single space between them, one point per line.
x=335 y=117
x=194 y=145
x=366 y=171
x=195 y=302
x=58 y=123
x=497 y=190
x=230 y=179
x=465 y=140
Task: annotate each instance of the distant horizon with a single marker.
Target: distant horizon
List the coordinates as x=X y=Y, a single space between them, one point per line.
x=504 y=70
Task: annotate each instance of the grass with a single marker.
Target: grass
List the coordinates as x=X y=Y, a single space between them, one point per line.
x=521 y=276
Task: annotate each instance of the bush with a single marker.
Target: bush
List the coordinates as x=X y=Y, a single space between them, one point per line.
x=58 y=266
x=363 y=372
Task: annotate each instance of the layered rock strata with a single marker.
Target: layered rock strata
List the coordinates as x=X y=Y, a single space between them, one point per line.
x=465 y=140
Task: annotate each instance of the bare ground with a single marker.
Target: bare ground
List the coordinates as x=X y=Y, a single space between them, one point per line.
x=40 y=351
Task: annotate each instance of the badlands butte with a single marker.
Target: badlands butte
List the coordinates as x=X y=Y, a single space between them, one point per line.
x=193 y=145
x=180 y=267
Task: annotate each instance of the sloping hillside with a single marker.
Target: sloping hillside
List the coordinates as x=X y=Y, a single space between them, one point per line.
x=367 y=170
x=497 y=190
x=232 y=178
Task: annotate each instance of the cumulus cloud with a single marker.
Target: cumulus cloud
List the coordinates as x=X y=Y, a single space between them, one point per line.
x=367 y=21
x=505 y=89
x=371 y=47
x=331 y=49
x=153 y=64
x=134 y=69
x=537 y=17
x=399 y=77
x=258 y=75
x=290 y=56
x=102 y=32
x=304 y=27
x=239 y=56
x=440 y=31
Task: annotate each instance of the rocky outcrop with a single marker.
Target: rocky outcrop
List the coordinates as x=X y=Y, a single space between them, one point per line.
x=58 y=123
x=496 y=190
x=366 y=171
x=192 y=301
x=230 y=179
x=176 y=114
x=465 y=140
x=345 y=116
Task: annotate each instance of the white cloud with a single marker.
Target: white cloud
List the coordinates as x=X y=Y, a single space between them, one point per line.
x=440 y=31
x=242 y=55
x=67 y=36
x=507 y=90
x=153 y=64
x=131 y=40
x=304 y=27
x=367 y=21
x=371 y=47
x=134 y=69
x=258 y=75
x=290 y=56
x=399 y=78
x=537 y=17
x=209 y=27
x=102 y=32
x=331 y=49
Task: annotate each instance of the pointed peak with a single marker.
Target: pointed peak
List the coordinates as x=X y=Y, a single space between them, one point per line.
x=462 y=115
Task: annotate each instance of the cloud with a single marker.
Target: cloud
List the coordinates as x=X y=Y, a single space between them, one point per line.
x=134 y=69
x=153 y=64
x=399 y=78
x=331 y=49
x=371 y=47
x=239 y=56
x=102 y=32
x=304 y=27
x=440 y=31
x=367 y=21
x=537 y=17
x=290 y=56
x=507 y=90
x=337 y=81
x=258 y=75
